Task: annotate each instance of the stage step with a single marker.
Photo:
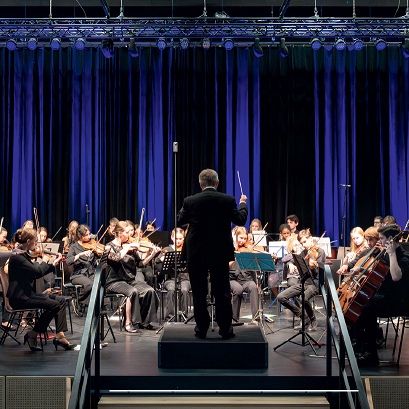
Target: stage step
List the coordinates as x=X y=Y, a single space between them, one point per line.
x=213 y=402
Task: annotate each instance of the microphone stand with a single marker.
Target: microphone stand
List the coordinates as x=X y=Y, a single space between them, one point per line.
x=88 y=212
x=344 y=220
x=175 y=151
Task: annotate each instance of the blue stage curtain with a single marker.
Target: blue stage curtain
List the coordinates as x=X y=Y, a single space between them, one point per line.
x=79 y=129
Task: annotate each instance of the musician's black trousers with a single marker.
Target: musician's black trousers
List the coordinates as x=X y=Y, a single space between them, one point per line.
x=366 y=325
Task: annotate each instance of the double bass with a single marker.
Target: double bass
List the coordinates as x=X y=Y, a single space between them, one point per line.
x=355 y=292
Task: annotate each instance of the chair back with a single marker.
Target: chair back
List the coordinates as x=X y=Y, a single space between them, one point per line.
x=66 y=273
x=5 y=286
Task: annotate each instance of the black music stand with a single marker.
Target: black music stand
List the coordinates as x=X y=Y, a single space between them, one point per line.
x=304 y=270
x=259 y=262
x=168 y=266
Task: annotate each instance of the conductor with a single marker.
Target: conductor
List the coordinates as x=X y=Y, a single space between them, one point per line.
x=209 y=215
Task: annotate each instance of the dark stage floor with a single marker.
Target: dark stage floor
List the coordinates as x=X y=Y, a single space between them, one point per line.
x=135 y=356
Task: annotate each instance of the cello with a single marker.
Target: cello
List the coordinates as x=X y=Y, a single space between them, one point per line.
x=355 y=292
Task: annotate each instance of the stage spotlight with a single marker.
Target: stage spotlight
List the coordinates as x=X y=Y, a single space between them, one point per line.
x=283 y=49
x=380 y=44
x=340 y=44
x=404 y=47
x=32 y=44
x=184 y=43
x=161 y=43
x=206 y=43
x=257 y=50
x=132 y=49
x=358 y=44
x=108 y=48
x=316 y=44
x=228 y=44
x=79 y=44
x=11 y=44
x=55 y=44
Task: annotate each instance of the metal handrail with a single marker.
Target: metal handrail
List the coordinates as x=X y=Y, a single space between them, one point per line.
x=332 y=304
x=90 y=345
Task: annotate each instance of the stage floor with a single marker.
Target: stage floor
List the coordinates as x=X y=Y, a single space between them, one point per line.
x=135 y=356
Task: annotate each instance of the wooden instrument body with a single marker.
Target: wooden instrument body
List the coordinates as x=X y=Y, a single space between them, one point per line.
x=354 y=293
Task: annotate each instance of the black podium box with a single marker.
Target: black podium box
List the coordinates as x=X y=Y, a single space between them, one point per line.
x=179 y=348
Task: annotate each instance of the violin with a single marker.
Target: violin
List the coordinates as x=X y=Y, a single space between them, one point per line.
x=6 y=247
x=38 y=252
x=249 y=247
x=94 y=246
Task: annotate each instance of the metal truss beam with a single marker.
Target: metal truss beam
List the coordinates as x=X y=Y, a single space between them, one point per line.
x=144 y=29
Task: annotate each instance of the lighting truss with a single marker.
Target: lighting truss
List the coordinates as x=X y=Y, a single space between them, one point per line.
x=176 y=28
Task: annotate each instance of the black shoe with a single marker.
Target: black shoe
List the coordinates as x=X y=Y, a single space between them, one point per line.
x=201 y=335
x=368 y=359
x=227 y=335
x=313 y=326
x=148 y=327
x=299 y=326
x=32 y=343
x=67 y=347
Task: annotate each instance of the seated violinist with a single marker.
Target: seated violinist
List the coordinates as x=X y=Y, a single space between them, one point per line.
x=142 y=302
x=23 y=272
x=43 y=235
x=371 y=236
x=85 y=263
x=70 y=238
x=389 y=301
x=358 y=244
x=28 y=224
x=242 y=281
x=294 y=280
x=109 y=236
x=150 y=226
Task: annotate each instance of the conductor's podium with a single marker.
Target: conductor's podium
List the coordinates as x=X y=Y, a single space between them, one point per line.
x=179 y=348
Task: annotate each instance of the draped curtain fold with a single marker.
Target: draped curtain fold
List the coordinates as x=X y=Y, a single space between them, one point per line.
x=78 y=129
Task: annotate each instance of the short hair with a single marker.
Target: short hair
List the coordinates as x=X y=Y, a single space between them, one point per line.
x=371 y=233
x=380 y=218
x=23 y=235
x=304 y=233
x=283 y=227
x=389 y=230
x=81 y=231
x=148 y=223
x=208 y=177
x=293 y=218
x=114 y=220
x=389 y=220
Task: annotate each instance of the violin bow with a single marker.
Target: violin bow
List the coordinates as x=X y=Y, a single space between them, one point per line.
x=56 y=233
x=98 y=242
x=1 y=223
x=38 y=228
x=96 y=234
x=261 y=235
x=140 y=224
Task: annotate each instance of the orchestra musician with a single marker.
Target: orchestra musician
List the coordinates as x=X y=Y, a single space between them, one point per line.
x=294 y=280
x=43 y=235
x=242 y=281
x=358 y=244
x=209 y=215
x=182 y=275
x=378 y=221
x=142 y=301
x=70 y=238
x=293 y=221
x=22 y=274
x=85 y=264
x=389 y=301
x=28 y=224
x=109 y=236
x=388 y=220
x=150 y=226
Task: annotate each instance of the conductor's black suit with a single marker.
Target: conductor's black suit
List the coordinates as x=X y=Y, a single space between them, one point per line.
x=209 y=247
